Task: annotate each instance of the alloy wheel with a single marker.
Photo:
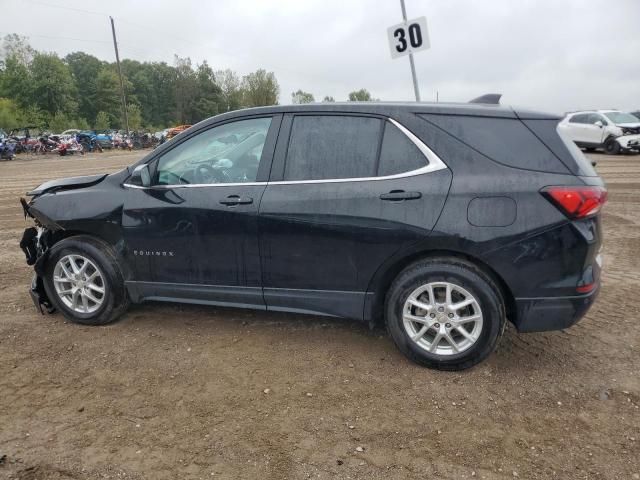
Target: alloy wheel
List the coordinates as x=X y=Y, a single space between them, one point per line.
x=442 y=318
x=79 y=283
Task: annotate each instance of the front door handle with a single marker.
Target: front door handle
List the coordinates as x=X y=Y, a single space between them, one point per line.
x=400 y=195
x=232 y=200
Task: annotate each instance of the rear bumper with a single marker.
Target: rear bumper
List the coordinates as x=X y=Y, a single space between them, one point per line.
x=555 y=313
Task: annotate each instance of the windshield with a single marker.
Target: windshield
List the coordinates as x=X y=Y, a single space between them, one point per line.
x=621 y=117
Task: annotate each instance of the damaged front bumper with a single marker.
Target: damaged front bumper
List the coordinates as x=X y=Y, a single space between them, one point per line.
x=629 y=142
x=39 y=296
x=34 y=244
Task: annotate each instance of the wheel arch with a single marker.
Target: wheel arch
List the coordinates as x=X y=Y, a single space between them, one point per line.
x=384 y=277
x=60 y=235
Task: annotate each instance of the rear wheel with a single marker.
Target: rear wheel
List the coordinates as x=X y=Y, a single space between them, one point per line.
x=83 y=280
x=611 y=147
x=445 y=313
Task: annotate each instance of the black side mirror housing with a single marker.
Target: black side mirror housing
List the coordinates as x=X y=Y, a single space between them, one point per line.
x=141 y=176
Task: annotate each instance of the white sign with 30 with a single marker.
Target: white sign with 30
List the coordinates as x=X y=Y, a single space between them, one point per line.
x=408 y=37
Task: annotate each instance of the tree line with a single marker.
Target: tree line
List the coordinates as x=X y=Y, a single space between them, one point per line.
x=42 y=90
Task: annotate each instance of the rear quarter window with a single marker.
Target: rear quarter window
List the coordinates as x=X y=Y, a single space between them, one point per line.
x=398 y=154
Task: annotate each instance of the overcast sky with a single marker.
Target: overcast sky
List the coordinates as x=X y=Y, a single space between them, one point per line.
x=553 y=55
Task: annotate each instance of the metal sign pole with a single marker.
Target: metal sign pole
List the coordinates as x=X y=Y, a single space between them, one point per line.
x=413 y=66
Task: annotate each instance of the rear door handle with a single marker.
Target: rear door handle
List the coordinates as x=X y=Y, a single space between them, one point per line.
x=232 y=200
x=399 y=195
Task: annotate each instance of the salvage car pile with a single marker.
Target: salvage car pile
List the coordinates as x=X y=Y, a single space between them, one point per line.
x=24 y=140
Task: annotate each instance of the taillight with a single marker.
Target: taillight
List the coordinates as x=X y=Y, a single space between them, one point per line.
x=577 y=202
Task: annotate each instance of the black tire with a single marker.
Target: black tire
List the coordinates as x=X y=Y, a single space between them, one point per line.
x=116 y=300
x=611 y=147
x=465 y=275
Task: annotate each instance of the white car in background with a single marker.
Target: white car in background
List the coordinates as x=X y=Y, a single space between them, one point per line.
x=611 y=130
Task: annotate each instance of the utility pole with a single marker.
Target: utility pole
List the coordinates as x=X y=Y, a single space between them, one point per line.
x=124 y=100
x=413 y=66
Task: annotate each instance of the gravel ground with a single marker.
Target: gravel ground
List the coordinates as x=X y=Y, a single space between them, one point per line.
x=186 y=392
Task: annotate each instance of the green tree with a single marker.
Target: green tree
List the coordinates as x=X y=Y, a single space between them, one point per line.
x=186 y=89
x=302 y=97
x=10 y=115
x=209 y=99
x=231 y=90
x=17 y=46
x=85 y=69
x=361 y=95
x=103 y=121
x=16 y=82
x=60 y=122
x=81 y=124
x=106 y=98
x=53 y=87
x=134 y=115
x=328 y=99
x=153 y=88
x=33 y=116
x=260 y=88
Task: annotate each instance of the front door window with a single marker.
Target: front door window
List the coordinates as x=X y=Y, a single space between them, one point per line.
x=228 y=153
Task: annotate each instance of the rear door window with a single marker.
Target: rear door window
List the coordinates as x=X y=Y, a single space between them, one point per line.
x=594 y=117
x=398 y=154
x=323 y=147
x=579 y=118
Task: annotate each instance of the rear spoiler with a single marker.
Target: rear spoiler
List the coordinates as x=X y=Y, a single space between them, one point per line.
x=488 y=99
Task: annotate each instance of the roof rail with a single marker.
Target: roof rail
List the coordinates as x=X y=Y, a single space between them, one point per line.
x=488 y=98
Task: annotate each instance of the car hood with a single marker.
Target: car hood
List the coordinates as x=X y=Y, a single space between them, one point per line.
x=629 y=125
x=67 y=184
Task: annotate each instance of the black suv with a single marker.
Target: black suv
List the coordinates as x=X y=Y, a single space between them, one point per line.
x=442 y=220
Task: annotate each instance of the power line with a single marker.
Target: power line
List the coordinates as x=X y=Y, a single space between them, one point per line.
x=69 y=8
x=120 y=19
x=125 y=46
x=56 y=37
x=164 y=34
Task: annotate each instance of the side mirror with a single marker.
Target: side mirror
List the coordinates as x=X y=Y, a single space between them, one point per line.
x=141 y=176
x=599 y=124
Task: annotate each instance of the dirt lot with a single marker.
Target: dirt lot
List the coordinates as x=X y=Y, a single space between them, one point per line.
x=177 y=392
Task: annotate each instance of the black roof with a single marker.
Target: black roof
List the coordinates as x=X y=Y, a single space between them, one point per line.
x=391 y=108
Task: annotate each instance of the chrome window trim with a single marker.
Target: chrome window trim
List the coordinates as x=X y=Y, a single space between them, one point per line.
x=435 y=164
x=195 y=185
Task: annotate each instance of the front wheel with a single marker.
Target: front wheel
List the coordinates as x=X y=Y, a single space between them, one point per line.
x=83 y=280
x=445 y=313
x=612 y=147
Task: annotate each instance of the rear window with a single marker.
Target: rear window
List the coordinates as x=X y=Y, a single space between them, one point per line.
x=325 y=147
